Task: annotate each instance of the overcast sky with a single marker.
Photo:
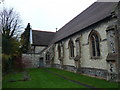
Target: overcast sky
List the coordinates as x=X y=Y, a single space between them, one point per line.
x=47 y=15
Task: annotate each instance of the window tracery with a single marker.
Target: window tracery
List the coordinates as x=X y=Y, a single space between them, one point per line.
x=71 y=48
x=94 y=44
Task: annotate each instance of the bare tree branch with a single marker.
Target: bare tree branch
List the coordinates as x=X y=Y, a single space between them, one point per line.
x=10 y=22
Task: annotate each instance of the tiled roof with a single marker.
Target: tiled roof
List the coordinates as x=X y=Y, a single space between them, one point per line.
x=42 y=38
x=93 y=14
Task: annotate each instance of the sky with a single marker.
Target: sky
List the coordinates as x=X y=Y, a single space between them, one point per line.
x=47 y=15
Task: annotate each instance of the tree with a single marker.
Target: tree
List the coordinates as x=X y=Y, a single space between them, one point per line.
x=25 y=39
x=10 y=23
x=10 y=46
x=10 y=50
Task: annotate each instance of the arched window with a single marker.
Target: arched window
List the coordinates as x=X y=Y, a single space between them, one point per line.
x=71 y=48
x=60 y=51
x=94 y=44
x=77 y=46
x=47 y=56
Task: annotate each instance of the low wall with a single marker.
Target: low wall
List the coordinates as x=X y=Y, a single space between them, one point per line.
x=34 y=58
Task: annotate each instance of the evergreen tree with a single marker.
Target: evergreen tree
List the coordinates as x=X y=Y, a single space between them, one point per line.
x=25 y=39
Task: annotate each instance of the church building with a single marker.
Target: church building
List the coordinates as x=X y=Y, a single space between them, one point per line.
x=88 y=44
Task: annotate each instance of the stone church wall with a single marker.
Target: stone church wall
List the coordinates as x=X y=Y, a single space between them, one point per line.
x=34 y=56
x=56 y=61
x=38 y=49
x=34 y=59
x=92 y=67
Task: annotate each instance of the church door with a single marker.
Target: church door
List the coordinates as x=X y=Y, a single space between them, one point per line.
x=41 y=64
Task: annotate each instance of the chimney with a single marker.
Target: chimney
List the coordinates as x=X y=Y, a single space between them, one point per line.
x=56 y=29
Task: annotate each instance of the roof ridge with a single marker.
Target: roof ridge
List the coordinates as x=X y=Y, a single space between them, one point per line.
x=43 y=31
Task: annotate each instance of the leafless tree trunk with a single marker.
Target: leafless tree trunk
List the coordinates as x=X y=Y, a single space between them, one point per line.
x=10 y=23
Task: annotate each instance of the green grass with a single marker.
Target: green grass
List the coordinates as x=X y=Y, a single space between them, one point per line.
x=39 y=79
x=42 y=79
x=98 y=83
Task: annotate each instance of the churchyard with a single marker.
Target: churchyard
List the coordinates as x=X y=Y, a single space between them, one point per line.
x=54 y=78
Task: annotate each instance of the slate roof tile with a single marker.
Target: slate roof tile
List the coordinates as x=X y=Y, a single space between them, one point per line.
x=93 y=14
x=42 y=38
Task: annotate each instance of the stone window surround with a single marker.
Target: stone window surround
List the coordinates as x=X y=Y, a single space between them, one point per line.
x=47 y=56
x=79 y=46
x=90 y=45
x=60 y=49
x=71 y=49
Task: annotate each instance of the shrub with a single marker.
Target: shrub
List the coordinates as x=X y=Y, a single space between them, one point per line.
x=6 y=63
x=21 y=64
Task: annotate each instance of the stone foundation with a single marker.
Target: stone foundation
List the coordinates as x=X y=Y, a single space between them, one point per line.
x=112 y=77
x=99 y=73
x=69 y=68
x=48 y=65
x=56 y=66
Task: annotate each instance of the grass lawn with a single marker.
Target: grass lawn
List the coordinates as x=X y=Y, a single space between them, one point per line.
x=39 y=79
x=98 y=83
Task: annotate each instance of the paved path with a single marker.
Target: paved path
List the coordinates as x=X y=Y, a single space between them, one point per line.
x=74 y=81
